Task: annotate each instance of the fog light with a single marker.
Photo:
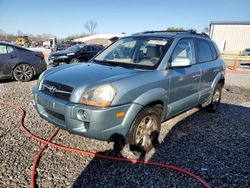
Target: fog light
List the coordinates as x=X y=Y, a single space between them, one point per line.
x=120 y=114
x=81 y=115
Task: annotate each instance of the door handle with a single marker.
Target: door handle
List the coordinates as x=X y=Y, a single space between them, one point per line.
x=12 y=56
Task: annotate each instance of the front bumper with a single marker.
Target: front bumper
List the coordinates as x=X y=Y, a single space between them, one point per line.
x=93 y=122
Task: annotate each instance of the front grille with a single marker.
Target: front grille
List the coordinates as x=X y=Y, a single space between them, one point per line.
x=57 y=90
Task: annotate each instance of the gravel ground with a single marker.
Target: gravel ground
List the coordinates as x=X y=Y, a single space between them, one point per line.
x=214 y=146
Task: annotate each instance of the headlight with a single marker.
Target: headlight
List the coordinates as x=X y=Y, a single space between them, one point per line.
x=39 y=80
x=99 y=96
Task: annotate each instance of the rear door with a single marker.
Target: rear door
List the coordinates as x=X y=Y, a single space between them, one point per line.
x=207 y=58
x=184 y=81
x=7 y=59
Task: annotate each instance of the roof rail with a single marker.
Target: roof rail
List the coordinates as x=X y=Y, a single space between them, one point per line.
x=178 y=31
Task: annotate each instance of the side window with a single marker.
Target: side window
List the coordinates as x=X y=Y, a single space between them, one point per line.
x=3 y=49
x=204 y=51
x=184 y=49
x=84 y=49
x=214 y=52
x=96 y=48
x=89 y=49
x=9 y=49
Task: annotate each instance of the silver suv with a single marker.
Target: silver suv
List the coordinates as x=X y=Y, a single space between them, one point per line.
x=133 y=85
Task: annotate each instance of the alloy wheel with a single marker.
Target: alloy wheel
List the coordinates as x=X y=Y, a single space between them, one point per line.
x=146 y=132
x=23 y=72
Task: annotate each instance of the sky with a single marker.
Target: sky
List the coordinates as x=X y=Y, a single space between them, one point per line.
x=65 y=17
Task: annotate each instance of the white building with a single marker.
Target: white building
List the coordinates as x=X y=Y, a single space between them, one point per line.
x=231 y=36
x=104 y=39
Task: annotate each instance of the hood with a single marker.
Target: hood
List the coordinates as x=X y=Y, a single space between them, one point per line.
x=88 y=74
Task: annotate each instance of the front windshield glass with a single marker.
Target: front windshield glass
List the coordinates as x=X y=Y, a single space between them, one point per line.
x=142 y=51
x=75 y=48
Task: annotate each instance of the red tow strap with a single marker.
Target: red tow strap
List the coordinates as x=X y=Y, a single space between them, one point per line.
x=48 y=142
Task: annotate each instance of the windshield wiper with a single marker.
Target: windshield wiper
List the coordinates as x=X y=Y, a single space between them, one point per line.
x=112 y=63
x=103 y=62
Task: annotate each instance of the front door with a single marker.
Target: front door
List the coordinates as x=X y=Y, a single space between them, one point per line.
x=87 y=53
x=184 y=81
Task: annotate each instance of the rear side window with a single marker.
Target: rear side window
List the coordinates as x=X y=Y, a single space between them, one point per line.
x=204 y=51
x=214 y=52
x=9 y=49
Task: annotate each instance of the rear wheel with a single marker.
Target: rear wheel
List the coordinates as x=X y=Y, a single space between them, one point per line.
x=145 y=130
x=23 y=73
x=215 y=99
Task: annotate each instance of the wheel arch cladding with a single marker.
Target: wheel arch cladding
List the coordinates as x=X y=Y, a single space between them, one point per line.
x=220 y=77
x=152 y=98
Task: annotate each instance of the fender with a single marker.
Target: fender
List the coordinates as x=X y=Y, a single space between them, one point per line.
x=156 y=94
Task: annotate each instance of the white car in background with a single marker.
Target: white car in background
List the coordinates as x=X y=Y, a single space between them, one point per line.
x=51 y=43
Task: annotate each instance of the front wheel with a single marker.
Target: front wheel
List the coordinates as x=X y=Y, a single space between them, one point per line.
x=145 y=130
x=23 y=73
x=74 y=60
x=215 y=99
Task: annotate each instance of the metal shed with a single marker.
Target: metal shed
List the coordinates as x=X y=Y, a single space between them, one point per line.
x=231 y=36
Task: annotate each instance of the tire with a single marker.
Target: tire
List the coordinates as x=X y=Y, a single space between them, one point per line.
x=74 y=60
x=145 y=130
x=214 y=100
x=23 y=73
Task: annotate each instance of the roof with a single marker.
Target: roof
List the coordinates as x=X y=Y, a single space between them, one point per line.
x=170 y=34
x=230 y=23
x=12 y=44
x=163 y=35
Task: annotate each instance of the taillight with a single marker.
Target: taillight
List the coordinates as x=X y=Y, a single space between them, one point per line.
x=40 y=55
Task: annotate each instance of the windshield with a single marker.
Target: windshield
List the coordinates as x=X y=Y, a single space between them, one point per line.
x=135 y=51
x=75 y=48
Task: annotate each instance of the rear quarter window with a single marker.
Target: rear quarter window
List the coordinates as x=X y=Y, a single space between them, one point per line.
x=214 y=52
x=204 y=51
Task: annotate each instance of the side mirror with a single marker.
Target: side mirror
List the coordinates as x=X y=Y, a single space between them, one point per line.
x=181 y=62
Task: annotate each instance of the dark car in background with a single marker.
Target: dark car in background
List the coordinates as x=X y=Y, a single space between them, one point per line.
x=61 y=47
x=20 y=63
x=74 y=54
